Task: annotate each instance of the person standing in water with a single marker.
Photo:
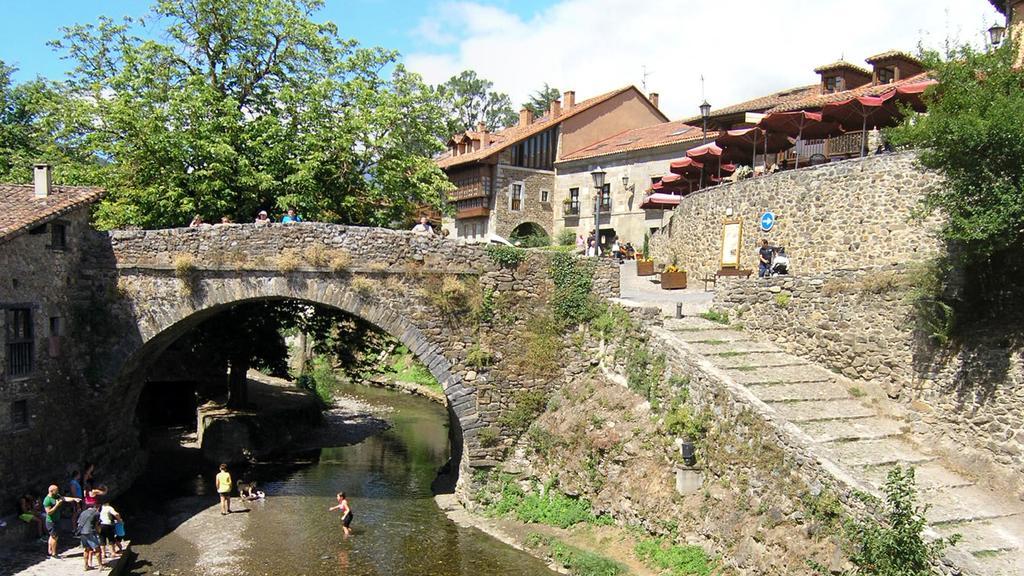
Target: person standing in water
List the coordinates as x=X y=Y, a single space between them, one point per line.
x=224 y=489
x=346 y=513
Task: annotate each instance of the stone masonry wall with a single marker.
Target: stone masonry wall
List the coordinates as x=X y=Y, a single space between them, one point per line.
x=968 y=397
x=846 y=214
x=533 y=210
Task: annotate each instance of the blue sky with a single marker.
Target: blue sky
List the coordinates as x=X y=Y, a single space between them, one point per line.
x=743 y=48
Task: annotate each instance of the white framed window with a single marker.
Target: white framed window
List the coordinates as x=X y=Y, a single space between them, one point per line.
x=515 y=196
x=545 y=196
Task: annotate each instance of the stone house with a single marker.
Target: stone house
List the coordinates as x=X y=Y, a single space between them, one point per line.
x=42 y=232
x=632 y=161
x=505 y=181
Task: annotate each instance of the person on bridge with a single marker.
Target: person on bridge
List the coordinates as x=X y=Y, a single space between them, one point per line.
x=346 y=513
x=423 y=227
x=291 y=217
x=262 y=218
x=223 y=482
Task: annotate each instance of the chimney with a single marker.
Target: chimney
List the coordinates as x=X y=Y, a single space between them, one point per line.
x=481 y=127
x=556 y=108
x=654 y=99
x=42 y=178
x=569 y=97
x=525 y=117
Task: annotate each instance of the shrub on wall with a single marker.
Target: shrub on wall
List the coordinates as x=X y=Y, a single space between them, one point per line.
x=572 y=301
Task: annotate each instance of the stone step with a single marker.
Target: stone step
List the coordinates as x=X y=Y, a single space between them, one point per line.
x=1001 y=563
x=822 y=410
x=789 y=392
x=755 y=359
x=716 y=347
x=854 y=429
x=928 y=476
x=968 y=503
x=692 y=323
x=886 y=451
x=719 y=334
x=992 y=535
x=808 y=373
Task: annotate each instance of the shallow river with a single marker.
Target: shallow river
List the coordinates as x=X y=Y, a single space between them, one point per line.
x=398 y=529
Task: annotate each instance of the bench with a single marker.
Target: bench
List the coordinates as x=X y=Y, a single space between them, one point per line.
x=725 y=272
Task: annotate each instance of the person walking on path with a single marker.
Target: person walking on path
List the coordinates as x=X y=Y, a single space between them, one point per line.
x=764 y=259
x=51 y=506
x=223 y=482
x=346 y=513
x=88 y=526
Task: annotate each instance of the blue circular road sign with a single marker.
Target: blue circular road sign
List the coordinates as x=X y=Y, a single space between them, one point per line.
x=767 y=221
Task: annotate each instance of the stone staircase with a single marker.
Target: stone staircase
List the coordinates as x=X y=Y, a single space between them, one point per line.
x=863 y=432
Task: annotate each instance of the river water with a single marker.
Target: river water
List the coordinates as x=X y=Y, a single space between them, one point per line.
x=398 y=528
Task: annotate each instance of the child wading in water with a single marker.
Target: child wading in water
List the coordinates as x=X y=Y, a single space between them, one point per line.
x=346 y=513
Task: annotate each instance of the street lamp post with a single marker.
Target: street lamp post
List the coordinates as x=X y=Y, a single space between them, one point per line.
x=705 y=113
x=995 y=35
x=598 y=175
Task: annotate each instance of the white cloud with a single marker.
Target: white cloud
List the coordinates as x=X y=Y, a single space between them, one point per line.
x=744 y=48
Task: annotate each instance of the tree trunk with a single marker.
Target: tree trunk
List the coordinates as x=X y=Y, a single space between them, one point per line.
x=238 y=383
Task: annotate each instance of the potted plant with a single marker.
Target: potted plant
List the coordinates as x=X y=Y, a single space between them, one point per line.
x=672 y=278
x=644 y=264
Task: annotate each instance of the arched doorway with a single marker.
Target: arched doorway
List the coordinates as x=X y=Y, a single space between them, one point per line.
x=530 y=235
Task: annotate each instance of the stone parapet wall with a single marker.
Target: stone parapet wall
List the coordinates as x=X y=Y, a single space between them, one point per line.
x=969 y=396
x=846 y=214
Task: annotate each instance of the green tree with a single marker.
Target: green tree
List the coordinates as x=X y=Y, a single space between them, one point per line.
x=540 y=101
x=38 y=123
x=236 y=105
x=974 y=135
x=468 y=99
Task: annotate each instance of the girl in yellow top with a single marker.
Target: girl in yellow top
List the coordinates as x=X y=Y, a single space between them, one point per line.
x=223 y=482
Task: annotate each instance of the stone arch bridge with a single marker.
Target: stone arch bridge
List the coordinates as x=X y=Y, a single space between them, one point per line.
x=150 y=287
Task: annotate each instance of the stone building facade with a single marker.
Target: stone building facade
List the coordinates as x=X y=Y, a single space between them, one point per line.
x=841 y=215
x=44 y=393
x=505 y=181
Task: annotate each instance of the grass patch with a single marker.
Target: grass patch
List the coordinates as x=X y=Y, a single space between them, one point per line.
x=526 y=406
x=340 y=261
x=576 y=561
x=362 y=286
x=316 y=255
x=551 y=508
x=288 y=261
x=856 y=392
x=719 y=316
x=713 y=342
x=745 y=368
x=732 y=354
x=782 y=299
x=185 y=271
x=674 y=559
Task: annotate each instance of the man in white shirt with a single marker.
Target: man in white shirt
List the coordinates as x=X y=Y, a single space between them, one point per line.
x=423 y=227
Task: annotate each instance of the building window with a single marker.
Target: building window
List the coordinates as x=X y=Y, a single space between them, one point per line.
x=574 y=202
x=19 y=341
x=58 y=236
x=834 y=84
x=545 y=196
x=19 y=414
x=515 y=197
x=886 y=75
x=606 y=197
x=537 y=151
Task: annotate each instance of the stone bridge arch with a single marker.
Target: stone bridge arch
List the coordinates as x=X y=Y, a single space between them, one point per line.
x=168 y=281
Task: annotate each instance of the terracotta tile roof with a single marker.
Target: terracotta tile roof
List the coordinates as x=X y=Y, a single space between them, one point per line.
x=513 y=134
x=818 y=100
x=841 y=65
x=639 y=139
x=21 y=210
x=762 y=103
x=891 y=54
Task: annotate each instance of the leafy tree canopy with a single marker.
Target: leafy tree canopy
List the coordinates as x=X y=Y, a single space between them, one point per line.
x=974 y=135
x=468 y=99
x=540 y=101
x=232 y=106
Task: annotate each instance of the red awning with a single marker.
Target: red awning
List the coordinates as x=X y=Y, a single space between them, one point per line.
x=748 y=142
x=801 y=125
x=910 y=94
x=686 y=166
x=659 y=200
x=863 y=112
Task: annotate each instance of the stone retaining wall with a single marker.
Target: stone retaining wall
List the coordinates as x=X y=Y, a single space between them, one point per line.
x=861 y=323
x=846 y=214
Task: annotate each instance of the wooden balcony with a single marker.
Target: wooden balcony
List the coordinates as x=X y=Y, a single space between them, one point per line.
x=474 y=212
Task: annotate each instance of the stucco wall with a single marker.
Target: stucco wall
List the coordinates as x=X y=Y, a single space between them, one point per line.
x=621 y=112
x=841 y=215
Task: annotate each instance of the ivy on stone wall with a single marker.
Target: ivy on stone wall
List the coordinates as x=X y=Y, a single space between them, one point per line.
x=572 y=301
x=506 y=256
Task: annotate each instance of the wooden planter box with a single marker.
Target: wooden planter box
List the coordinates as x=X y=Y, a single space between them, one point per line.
x=673 y=280
x=645 y=267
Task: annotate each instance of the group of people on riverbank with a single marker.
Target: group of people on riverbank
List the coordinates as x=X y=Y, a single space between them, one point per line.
x=85 y=505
